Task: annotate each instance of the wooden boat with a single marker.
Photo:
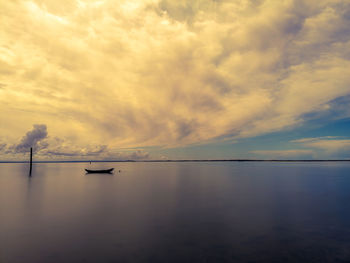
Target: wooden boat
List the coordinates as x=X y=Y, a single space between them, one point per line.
x=107 y=171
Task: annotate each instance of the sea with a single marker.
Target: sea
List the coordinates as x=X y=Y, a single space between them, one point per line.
x=175 y=212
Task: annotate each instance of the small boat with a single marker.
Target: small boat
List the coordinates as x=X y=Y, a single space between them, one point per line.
x=107 y=171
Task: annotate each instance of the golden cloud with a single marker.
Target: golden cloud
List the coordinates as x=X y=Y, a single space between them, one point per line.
x=169 y=73
x=329 y=144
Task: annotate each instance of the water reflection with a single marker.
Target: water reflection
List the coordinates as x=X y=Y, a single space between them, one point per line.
x=175 y=212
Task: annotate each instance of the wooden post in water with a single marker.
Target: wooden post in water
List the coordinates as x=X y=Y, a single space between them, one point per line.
x=31 y=161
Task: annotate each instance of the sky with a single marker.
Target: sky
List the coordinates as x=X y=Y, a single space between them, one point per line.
x=175 y=79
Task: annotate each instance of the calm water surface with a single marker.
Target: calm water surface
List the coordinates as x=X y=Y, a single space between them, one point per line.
x=175 y=212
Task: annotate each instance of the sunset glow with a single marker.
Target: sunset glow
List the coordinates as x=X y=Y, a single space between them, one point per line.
x=157 y=79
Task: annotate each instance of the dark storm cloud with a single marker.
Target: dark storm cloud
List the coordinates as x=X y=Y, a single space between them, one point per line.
x=33 y=139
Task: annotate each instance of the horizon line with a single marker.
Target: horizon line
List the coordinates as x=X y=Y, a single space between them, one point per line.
x=185 y=160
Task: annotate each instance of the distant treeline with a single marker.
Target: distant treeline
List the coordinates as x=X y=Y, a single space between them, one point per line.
x=168 y=161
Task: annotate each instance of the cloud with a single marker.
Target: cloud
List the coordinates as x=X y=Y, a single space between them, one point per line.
x=298 y=153
x=91 y=152
x=54 y=148
x=33 y=138
x=308 y=140
x=138 y=155
x=2 y=147
x=169 y=73
x=330 y=144
x=325 y=147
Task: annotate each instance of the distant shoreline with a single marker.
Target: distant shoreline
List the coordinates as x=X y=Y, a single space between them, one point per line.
x=170 y=161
